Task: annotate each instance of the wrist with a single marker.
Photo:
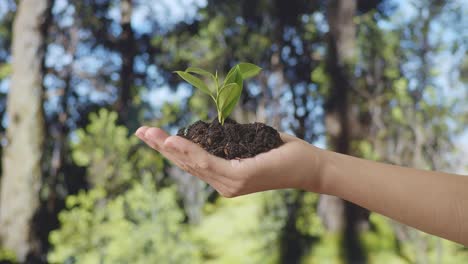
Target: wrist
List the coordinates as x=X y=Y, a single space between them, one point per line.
x=329 y=172
x=315 y=177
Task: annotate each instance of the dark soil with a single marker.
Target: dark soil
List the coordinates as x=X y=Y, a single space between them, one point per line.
x=232 y=140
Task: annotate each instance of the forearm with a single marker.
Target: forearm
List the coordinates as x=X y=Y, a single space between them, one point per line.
x=433 y=202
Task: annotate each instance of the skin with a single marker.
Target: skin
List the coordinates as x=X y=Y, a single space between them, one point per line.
x=434 y=202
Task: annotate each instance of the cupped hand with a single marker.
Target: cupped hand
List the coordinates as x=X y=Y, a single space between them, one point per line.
x=294 y=164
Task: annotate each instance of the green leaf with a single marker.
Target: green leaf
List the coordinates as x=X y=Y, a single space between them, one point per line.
x=248 y=70
x=200 y=71
x=194 y=81
x=230 y=107
x=205 y=74
x=234 y=76
x=228 y=98
x=230 y=77
x=227 y=93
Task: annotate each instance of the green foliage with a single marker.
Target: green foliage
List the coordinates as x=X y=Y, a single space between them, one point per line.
x=227 y=94
x=366 y=150
x=123 y=218
x=169 y=112
x=236 y=230
x=142 y=225
x=105 y=149
x=327 y=251
x=308 y=222
x=384 y=247
x=112 y=222
x=5 y=70
x=7 y=256
x=321 y=78
x=380 y=241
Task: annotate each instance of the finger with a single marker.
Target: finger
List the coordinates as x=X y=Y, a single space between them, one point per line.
x=287 y=137
x=195 y=156
x=155 y=137
x=187 y=156
x=141 y=132
x=185 y=162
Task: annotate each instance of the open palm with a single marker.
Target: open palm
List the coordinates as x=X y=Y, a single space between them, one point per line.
x=292 y=165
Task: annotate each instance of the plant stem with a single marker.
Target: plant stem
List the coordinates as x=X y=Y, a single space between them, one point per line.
x=220 y=117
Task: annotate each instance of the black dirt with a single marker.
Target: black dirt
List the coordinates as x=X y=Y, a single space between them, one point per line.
x=232 y=140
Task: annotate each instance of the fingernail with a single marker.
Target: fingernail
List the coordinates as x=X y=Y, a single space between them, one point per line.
x=138 y=132
x=146 y=134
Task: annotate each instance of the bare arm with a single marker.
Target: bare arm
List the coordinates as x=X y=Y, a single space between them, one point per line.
x=433 y=202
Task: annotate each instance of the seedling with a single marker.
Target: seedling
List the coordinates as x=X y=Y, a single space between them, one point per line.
x=224 y=94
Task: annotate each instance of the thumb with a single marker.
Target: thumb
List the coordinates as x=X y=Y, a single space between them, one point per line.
x=287 y=137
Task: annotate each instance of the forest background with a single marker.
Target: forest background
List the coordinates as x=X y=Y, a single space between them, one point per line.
x=383 y=80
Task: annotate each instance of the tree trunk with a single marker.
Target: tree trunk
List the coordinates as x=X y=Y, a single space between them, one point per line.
x=21 y=181
x=339 y=215
x=127 y=53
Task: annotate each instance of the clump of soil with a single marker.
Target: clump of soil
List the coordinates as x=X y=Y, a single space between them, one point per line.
x=232 y=140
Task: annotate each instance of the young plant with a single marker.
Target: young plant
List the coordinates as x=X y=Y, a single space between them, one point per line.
x=224 y=94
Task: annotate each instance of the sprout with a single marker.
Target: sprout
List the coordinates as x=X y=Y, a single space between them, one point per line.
x=227 y=94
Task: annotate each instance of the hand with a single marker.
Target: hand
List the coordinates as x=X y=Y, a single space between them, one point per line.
x=295 y=164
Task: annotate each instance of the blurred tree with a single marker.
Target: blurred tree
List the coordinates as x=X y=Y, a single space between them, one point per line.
x=287 y=39
x=408 y=125
x=6 y=21
x=366 y=77
x=278 y=41
x=122 y=218
x=127 y=53
x=22 y=173
x=422 y=133
x=125 y=56
x=140 y=226
x=82 y=35
x=342 y=122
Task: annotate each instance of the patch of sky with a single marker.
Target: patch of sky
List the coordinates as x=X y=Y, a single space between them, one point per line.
x=167 y=13
x=98 y=94
x=164 y=94
x=66 y=11
x=5 y=7
x=52 y=82
x=57 y=56
x=4 y=84
x=254 y=89
x=320 y=21
x=140 y=64
x=115 y=15
x=285 y=52
x=297 y=42
x=240 y=20
x=98 y=60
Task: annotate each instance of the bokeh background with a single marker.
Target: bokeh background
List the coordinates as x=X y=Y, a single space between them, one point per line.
x=383 y=80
